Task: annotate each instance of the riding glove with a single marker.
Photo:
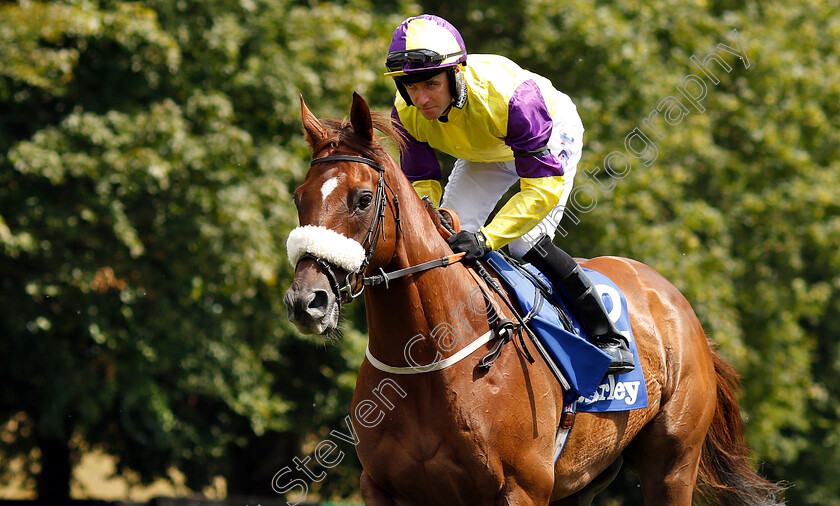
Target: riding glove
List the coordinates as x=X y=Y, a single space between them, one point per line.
x=474 y=244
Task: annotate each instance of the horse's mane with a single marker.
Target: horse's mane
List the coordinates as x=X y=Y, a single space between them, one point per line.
x=341 y=133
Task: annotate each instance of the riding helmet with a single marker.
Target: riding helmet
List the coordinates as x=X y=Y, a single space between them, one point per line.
x=423 y=47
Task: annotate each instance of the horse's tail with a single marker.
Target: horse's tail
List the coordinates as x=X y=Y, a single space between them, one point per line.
x=726 y=475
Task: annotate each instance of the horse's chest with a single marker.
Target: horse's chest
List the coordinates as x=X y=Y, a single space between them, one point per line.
x=432 y=455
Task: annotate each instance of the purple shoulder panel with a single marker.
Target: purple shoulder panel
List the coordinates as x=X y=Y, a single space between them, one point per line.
x=529 y=129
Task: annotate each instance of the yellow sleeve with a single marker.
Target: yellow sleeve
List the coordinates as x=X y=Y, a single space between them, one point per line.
x=430 y=188
x=536 y=198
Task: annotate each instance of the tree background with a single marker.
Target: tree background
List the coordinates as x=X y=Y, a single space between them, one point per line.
x=147 y=154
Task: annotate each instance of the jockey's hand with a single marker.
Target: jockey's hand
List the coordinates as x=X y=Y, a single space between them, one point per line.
x=473 y=244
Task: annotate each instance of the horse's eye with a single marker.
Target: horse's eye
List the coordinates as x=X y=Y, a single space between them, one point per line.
x=364 y=201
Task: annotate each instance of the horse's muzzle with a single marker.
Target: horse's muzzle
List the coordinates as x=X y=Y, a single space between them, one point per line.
x=311 y=304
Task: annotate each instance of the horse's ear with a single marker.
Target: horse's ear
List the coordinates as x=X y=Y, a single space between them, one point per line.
x=313 y=128
x=360 y=117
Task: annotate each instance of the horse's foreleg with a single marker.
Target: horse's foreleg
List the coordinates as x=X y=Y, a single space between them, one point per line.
x=372 y=494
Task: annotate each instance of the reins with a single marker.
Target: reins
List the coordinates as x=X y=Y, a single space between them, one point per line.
x=502 y=328
x=386 y=277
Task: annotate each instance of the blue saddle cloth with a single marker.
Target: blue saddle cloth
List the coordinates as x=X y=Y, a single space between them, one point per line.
x=583 y=364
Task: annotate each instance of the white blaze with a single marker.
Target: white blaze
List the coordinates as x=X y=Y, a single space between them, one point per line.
x=329 y=186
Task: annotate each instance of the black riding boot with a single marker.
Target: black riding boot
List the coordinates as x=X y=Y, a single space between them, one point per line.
x=564 y=273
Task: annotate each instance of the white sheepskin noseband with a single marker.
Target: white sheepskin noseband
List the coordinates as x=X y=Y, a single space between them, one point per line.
x=325 y=244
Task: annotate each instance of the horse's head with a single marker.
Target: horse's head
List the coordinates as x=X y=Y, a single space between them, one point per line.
x=348 y=220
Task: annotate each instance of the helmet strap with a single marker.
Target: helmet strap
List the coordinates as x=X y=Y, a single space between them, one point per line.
x=457 y=87
x=403 y=92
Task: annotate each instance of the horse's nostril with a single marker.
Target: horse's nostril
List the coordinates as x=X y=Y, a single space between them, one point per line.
x=292 y=301
x=319 y=300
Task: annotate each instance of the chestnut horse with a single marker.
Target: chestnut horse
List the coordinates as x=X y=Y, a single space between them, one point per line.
x=459 y=434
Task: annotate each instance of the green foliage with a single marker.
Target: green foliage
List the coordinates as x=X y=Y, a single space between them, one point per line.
x=148 y=156
x=42 y=43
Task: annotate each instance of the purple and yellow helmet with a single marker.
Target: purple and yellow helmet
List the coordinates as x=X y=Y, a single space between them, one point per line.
x=422 y=47
x=424 y=43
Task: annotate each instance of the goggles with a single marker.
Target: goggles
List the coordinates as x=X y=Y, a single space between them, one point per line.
x=416 y=59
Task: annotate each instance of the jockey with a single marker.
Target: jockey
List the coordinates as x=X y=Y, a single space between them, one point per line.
x=504 y=125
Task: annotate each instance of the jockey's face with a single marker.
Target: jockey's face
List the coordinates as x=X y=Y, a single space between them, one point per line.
x=431 y=97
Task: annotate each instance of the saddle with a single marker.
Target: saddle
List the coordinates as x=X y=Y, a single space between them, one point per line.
x=559 y=337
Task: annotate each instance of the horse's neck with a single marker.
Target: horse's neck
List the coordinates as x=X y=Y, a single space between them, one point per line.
x=434 y=310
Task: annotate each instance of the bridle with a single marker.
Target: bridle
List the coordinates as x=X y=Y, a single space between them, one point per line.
x=356 y=281
x=352 y=288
